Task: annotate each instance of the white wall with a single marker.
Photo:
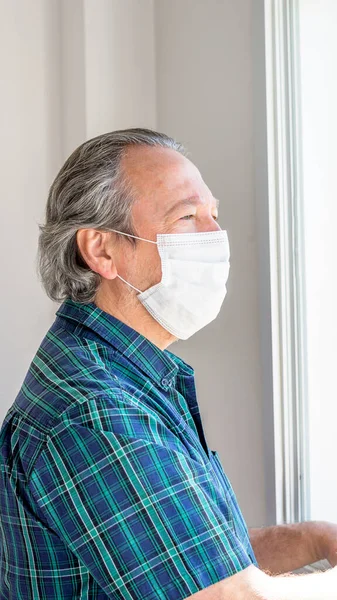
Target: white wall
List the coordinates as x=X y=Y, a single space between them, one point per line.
x=30 y=152
x=108 y=68
x=69 y=72
x=185 y=67
x=205 y=99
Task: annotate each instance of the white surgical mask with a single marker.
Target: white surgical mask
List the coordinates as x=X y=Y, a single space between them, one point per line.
x=195 y=268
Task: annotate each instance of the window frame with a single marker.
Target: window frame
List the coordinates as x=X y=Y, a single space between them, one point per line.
x=287 y=273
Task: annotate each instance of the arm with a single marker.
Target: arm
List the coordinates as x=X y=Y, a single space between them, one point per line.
x=317 y=586
x=284 y=548
x=254 y=584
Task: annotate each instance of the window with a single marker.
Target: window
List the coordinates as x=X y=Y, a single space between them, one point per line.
x=318 y=67
x=301 y=58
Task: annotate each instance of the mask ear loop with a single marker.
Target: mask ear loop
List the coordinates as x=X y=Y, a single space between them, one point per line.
x=133 y=236
x=130 y=284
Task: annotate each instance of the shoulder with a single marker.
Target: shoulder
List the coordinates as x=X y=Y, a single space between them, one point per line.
x=66 y=370
x=66 y=373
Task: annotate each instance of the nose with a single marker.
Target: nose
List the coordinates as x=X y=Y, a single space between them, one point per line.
x=209 y=224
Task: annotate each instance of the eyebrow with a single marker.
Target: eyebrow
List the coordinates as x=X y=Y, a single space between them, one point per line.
x=186 y=202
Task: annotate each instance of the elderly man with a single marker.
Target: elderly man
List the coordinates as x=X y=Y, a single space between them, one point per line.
x=108 y=487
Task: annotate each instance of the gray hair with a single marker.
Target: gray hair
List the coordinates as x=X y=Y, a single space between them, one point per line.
x=90 y=191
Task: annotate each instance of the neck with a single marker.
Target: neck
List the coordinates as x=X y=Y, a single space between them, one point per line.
x=122 y=303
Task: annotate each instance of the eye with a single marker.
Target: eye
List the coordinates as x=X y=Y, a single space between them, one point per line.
x=187 y=217
x=215 y=218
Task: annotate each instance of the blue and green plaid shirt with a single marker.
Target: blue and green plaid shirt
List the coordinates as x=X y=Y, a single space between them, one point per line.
x=108 y=488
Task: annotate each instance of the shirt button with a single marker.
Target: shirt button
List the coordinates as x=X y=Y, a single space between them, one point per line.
x=166 y=382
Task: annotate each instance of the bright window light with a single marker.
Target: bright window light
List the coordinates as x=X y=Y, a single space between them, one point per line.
x=318 y=82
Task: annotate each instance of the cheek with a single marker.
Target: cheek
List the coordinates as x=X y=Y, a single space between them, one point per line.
x=151 y=266
x=144 y=266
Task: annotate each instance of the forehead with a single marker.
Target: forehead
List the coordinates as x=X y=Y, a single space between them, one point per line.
x=161 y=175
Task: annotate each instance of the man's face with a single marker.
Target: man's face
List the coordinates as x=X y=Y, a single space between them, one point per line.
x=171 y=198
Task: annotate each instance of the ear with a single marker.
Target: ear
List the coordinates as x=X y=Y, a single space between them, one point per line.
x=96 y=251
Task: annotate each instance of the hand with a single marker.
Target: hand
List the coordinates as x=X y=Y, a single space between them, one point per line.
x=328 y=542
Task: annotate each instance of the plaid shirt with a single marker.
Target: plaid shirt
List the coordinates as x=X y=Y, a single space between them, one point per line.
x=108 y=488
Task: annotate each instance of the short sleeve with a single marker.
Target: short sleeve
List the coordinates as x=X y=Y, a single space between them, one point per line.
x=141 y=516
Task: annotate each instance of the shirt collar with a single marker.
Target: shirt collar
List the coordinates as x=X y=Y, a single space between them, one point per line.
x=160 y=365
